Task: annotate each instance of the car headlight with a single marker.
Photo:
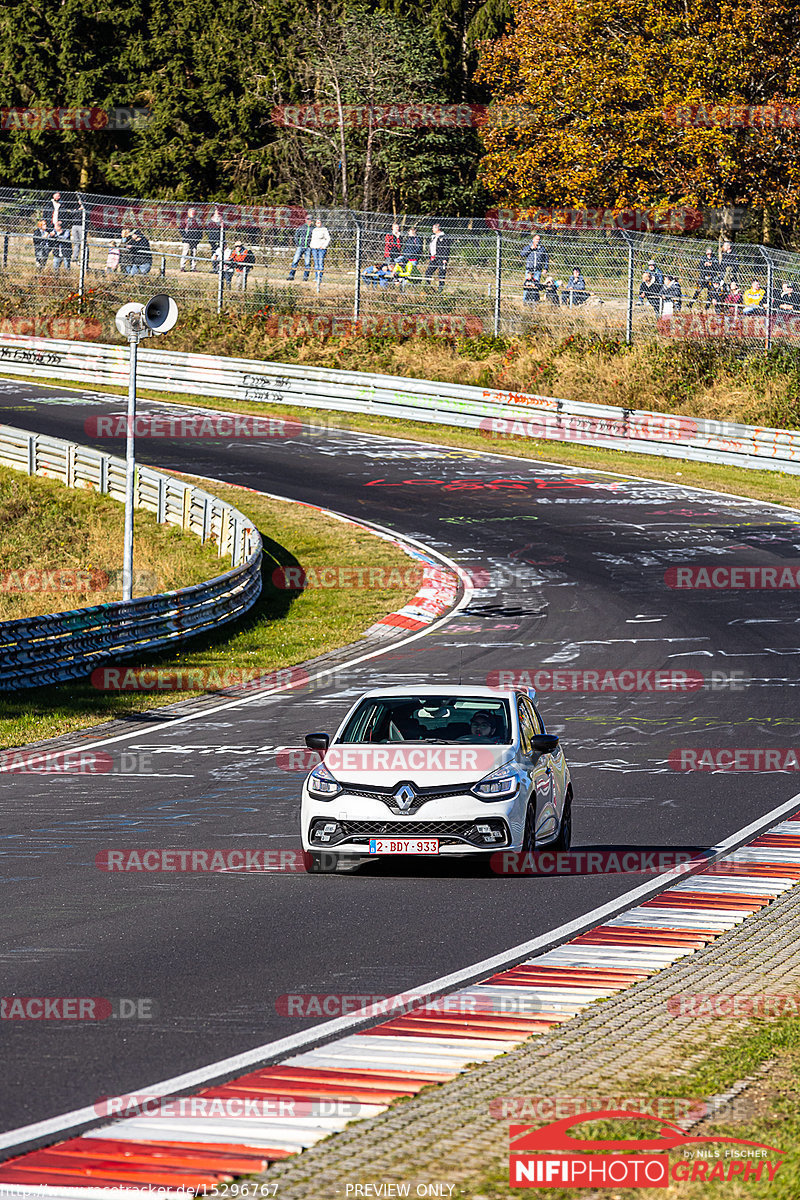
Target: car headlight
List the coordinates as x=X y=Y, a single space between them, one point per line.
x=498 y=785
x=321 y=783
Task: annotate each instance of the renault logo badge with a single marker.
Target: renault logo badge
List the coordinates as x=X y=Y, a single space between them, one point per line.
x=405 y=797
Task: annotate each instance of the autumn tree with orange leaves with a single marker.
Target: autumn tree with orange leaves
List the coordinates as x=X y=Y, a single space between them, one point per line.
x=597 y=93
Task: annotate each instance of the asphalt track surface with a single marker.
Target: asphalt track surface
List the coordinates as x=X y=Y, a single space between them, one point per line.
x=576 y=567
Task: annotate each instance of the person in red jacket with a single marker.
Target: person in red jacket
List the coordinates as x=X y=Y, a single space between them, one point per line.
x=393 y=244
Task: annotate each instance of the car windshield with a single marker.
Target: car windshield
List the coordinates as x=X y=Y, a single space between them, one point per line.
x=476 y=720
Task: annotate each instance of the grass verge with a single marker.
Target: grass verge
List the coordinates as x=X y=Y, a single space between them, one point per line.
x=768 y=1112
x=62 y=549
x=283 y=628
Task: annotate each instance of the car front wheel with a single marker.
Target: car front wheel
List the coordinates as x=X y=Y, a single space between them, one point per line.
x=529 y=832
x=564 y=839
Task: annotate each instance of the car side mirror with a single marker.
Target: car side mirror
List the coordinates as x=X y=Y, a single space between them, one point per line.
x=318 y=742
x=544 y=743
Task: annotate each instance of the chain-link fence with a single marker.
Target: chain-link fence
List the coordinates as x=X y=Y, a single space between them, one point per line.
x=319 y=272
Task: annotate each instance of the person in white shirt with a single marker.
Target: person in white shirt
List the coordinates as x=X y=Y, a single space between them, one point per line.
x=320 y=240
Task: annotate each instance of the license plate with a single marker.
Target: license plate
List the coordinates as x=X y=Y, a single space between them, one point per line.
x=404 y=846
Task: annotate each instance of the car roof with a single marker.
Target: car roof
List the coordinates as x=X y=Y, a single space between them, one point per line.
x=444 y=689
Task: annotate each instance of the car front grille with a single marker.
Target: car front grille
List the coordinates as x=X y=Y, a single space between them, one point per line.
x=423 y=795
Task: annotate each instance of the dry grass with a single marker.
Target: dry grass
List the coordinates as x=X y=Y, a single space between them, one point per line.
x=62 y=549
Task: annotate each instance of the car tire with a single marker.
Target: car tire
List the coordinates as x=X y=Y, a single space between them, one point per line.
x=564 y=839
x=321 y=864
x=529 y=830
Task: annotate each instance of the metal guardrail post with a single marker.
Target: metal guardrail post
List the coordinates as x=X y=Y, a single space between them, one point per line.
x=769 y=298
x=220 y=263
x=498 y=281
x=629 y=305
x=357 y=289
x=82 y=262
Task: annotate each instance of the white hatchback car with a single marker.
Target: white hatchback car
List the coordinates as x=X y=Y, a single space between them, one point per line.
x=434 y=770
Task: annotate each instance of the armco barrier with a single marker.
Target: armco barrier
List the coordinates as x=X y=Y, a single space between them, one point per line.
x=68 y=645
x=496 y=412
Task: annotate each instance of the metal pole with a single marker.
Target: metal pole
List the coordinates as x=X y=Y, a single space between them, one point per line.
x=770 y=275
x=82 y=265
x=357 y=292
x=221 y=279
x=130 y=472
x=498 y=279
x=629 y=314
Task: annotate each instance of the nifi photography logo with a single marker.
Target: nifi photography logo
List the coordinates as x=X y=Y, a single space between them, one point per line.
x=548 y=1156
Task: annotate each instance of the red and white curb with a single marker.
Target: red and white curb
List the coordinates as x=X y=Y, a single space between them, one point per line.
x=320 y=1090
x=436 y=595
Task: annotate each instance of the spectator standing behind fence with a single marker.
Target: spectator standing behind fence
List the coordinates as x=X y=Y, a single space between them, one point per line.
x=707 y=273
x=551 y=287
x=734 y=299
x=393 y=244
x=577 y=292
x=191 y=231
x=216 y=223
x=650 y=291
x=243 y=262
x=788 y=300
x=139 y=256
x=671 y=296
x=536 y=263
x=71 y=218
x=320 y=240
x=754 y=298
x=62 y=247
x=412 y=247
x=226 y=265
x=52 y=212
x=41 y=244
x=656 y=272
x=302 y=241
x=729 y=261
x=438 y=255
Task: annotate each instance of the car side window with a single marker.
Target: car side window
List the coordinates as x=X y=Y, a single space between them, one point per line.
x=538 y=723
x=526 y=727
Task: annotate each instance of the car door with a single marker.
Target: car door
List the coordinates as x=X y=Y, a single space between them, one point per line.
x=558 y=765
x=540 y=768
